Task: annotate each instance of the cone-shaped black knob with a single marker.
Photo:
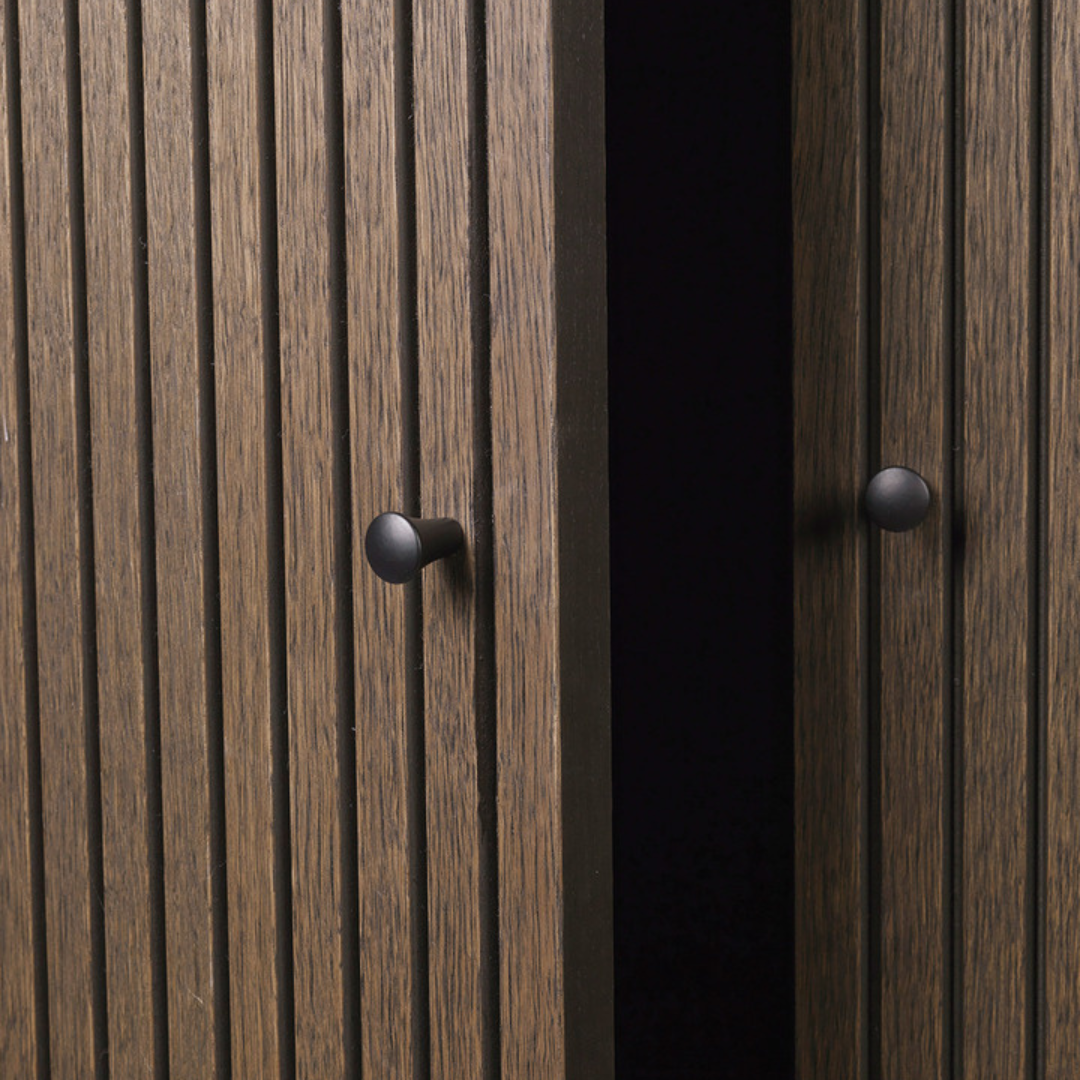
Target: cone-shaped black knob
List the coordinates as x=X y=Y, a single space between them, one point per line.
x=399 y=547
x=897 y=499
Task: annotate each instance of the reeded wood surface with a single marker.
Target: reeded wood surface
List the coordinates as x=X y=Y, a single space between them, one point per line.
x=248 y=698
x=1062 y=545
x=19 y=1047
x=118 y=533
x=448 y=372
x=994 y=567
x=830 y=556
x=66 y=686
x=915 y=374
x=185 y=621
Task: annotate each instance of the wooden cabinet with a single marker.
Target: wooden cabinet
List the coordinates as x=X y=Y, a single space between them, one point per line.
x=266 y=271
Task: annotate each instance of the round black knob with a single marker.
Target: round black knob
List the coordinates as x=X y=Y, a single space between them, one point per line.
x=897 y=499
x=399 y=547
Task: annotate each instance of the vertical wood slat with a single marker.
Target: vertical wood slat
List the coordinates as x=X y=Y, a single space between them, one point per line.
x=20 y=1052
x=118 y=529
x=829 y=563
x=247 y=624
x=378 y=327
x=1063 y=547
x=545 y=183
x=915 y=365
x=447 y=366
x=996 y=955
x=180 y=476
x=311 y=594
x=66 y=692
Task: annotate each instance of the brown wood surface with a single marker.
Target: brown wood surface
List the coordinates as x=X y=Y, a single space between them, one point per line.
x=830 y=558
x=523 y=358
x=915 y=372
x=118 y=531
x=447 y=392
x=19 y=1047
x=995 y=674
x=188 y=711
x=248 y=611
x=391 y=1017
x=1062 y=545
x=310 y=589
x=66 y=685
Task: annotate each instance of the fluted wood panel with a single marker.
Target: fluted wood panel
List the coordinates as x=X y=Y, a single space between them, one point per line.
x=263 y=816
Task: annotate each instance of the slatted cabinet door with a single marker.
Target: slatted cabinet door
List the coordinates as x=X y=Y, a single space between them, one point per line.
x=269 y=268
x=936 y=196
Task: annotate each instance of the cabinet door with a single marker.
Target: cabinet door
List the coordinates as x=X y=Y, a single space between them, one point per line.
x=937 y=670
x=267 y=270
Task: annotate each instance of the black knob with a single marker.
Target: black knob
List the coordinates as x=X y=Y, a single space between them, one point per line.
x=399 y=547
x=897 y=499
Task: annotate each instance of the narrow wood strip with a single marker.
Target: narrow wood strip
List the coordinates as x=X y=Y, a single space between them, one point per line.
x=180 y=475
x=447 y=442
x=996 y=541
x=307 y=457
x=378 y=352
x=1062 y=1020
x=118 y=528
x=914 y=372
x=830 y=746
x=61 y=541
x=241 y=353
x=20 y=1053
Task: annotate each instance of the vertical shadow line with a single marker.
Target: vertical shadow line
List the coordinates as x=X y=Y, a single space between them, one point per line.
x=85 y=511
x=483 y=543
x=155 y=840
x=948 y=518
x=333 y=96
x=957 y=539
x=215 y=733
x=410 y=457
x=275 y=532
x=869 y=540
x=1038 y=454
x=26 y=540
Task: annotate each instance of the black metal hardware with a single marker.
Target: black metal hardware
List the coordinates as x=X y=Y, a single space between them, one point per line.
x=399 y=547
x=897 y=499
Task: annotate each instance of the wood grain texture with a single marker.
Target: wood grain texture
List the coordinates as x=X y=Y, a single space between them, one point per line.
x=180 y=477
x=19 y=1049
x=829 y=553
x=66 y=689
x=378 y=325
x=547 y=367
x=311 y=594
x=915 y=372
x=447 y=392
x=118 y=531
x=248 y=698
x=996 y=677
x=1062 y=290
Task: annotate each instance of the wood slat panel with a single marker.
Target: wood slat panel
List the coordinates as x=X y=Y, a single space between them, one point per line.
x=19 y=1049
x=311 y=595
x=118 y=531
x=66 y=689
x=375 y=173
x=191 y=846
x=915 y=371
x=523 y=357
x=829 y=566
x=1062 y=289
x=247 y=651
x=447 y=389
x=996 y=679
